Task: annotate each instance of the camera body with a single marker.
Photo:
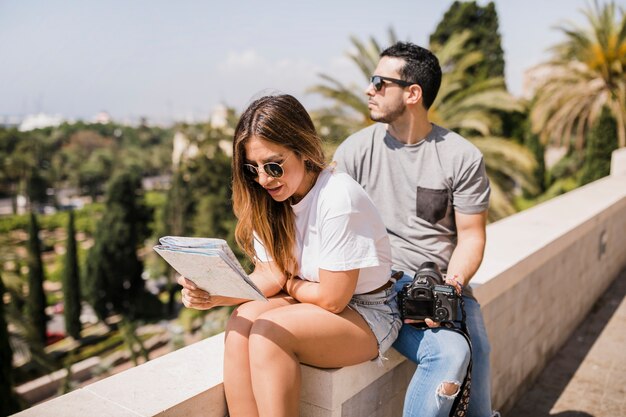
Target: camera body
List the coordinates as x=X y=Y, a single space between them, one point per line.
x=428 y=296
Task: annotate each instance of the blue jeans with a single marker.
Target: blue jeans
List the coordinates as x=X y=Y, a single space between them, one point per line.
x=442 y=356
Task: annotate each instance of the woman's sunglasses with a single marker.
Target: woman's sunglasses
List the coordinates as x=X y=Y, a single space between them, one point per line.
x=378 y=82
x=273 y=169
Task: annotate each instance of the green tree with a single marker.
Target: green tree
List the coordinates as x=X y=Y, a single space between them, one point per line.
x=71 y=282
x=485 y=37
x=114 y=270
x=532 y=142
x=10 y=166
x=175 y=221
x=602 y=141
x=36 y=303
x=94 y=172
x=9 y=403
x=586 y=73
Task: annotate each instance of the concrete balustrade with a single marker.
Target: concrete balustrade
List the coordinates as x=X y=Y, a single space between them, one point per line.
x=543 y=270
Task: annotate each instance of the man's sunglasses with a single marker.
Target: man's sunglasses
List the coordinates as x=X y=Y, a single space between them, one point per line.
x=273 y=169
x=377 y=82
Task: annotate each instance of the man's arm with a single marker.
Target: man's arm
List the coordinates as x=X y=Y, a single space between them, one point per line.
x=468 y=254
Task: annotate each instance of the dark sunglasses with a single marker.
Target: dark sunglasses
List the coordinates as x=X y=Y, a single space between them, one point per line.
x=273 y=169
x=377 y=82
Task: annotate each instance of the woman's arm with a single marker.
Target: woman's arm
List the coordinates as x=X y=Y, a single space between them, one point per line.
x=265 y=276
x=268 y=278
x=332 y=293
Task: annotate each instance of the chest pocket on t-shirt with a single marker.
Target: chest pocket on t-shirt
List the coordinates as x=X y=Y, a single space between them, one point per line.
x=431 y=205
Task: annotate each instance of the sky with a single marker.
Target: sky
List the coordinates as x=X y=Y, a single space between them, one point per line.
x=177 y=60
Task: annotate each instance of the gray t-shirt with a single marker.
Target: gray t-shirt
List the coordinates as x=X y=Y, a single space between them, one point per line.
x=417 y=188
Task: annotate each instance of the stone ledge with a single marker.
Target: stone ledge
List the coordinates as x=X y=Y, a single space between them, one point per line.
x=618 y=162
x=188 y=382
x=46 y=386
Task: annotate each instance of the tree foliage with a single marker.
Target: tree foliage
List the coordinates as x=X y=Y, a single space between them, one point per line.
x=71 y=282
x=484 y=38
x=601 y=143
x=114 y=270
x=77 y=155
x=9 y=403
x=586 y=73
x=534 y=145
x=36 y=303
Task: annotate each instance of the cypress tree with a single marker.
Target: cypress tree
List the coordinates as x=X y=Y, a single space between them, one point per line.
x=601 y=142
x=114 y=270
x=483 y=21
x=71 y=283
x=36 y=303
x=9 y=403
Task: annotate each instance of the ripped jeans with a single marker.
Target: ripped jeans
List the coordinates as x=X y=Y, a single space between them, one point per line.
x=442 y=356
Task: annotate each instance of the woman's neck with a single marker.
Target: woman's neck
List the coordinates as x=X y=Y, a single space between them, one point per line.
x=311 y=178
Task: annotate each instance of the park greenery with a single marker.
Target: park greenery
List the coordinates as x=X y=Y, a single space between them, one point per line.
x=129 y=185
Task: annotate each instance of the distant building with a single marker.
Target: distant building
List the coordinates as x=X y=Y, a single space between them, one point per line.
x=219 y=116
x=40 y=121
x=103 y=118
x=183 y=149
x=10 y=121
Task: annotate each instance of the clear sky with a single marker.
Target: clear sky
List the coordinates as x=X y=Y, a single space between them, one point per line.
x=179 y=59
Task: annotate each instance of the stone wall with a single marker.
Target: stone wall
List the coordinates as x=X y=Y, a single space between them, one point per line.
x=544 y=269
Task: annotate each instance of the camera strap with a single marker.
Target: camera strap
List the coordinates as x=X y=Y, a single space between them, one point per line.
x=461 y=401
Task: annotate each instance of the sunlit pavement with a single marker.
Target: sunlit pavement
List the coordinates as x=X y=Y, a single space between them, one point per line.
x=587 y=377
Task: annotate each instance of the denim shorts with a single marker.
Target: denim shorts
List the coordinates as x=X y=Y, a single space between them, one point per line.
x=380 y=311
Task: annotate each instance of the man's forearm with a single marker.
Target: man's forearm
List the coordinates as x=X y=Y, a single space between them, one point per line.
x=466 y=259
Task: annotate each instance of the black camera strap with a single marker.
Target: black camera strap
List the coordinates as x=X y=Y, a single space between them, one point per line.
x=461 y=401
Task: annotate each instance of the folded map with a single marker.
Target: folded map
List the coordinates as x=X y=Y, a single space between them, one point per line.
x=210 y=264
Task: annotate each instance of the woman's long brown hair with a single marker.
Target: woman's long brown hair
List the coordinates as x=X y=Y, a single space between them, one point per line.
x=282 y=120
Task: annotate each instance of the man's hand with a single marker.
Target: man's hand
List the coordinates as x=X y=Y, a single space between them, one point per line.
x=455 y=281
x=429 y=322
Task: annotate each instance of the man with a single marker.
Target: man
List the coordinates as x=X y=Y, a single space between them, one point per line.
x=432 y=191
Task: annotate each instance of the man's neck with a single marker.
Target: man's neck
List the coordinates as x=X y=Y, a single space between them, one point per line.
x=410 y=130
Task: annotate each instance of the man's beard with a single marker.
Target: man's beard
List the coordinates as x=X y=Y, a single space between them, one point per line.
x=389 y=116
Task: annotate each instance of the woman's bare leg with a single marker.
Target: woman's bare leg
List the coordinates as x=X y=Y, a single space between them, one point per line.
x=237 y=379
x=282 y=338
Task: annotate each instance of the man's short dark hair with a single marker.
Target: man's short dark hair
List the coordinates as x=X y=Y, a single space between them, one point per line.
x=421 y=67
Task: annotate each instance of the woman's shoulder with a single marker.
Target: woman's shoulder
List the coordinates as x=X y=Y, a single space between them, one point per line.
x=342 y=192
x=338 y=180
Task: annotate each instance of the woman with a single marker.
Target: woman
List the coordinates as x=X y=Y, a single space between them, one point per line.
x=321 y=255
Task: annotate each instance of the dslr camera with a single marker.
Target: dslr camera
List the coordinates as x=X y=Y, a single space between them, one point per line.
x=428 y=296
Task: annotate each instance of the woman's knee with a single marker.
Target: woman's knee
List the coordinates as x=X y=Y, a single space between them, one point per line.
x=242 y=318
x=268 y=334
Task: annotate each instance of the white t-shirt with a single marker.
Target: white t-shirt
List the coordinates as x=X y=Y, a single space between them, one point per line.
x=339 y=229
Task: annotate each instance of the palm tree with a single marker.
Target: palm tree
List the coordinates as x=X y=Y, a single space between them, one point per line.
x=586 y=73
x=471 y=109
x=350 y=112
x=475 y=111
